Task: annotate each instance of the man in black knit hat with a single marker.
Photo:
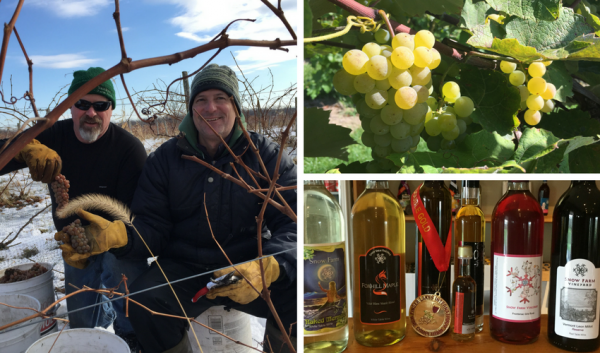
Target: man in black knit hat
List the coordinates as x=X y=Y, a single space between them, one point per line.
x=96 y=157
x=175 y=197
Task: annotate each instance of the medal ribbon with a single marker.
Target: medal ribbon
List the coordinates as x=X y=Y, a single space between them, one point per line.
x=439 y=254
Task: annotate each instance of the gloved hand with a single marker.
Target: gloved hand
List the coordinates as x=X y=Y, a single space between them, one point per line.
x=44 y=164
x=241 y=292
x=102 y=235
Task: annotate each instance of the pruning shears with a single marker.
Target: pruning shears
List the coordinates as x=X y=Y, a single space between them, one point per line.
x=222 y=281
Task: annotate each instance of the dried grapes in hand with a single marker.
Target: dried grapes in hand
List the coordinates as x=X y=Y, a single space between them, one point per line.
x=77 y=237
x=60 y=187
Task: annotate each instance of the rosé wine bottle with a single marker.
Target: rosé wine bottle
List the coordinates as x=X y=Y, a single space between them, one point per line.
x=516 y=263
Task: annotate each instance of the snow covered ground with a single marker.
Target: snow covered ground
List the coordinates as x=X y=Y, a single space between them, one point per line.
x=39 y=234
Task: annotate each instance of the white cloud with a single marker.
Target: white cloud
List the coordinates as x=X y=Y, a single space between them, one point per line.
x=62 y=61
x=123 y=29
x=194 y=37
x=71 y=8
x=256 y=59
x=207 y=21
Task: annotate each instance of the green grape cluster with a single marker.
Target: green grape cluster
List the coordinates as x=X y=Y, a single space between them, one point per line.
x=536 y=93
x=391 y=86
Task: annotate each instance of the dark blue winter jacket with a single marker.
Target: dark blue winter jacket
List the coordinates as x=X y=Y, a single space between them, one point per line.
x=170 y=213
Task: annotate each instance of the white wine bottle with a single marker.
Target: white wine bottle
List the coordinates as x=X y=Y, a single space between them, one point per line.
x=378 y=259
x=325 y=286
x=469 y=230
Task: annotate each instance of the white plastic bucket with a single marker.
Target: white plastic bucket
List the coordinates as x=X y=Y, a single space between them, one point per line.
x=234 y=324
x=77 y=340
x=40 y=287
x=17 y=338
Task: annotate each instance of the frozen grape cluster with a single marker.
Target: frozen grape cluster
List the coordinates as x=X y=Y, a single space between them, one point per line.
x=77 y=237
x=12 y=275
x=60 y=187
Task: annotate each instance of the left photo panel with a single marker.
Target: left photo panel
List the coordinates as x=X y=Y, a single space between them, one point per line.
x=148 y=178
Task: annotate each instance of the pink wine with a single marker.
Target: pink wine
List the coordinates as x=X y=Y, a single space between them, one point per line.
x=516 y=262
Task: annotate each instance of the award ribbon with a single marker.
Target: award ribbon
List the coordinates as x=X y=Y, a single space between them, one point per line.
x=439 y=254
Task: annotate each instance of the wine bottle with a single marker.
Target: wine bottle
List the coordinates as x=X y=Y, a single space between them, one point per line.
x=573 y=312
x=379 y=267
x=325 y=285
x=438 y=203
x=469 y=230
x=517 y=240
x=464 y=298
x=544 y=196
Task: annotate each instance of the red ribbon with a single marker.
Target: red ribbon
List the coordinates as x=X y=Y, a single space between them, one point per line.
x=440 y=256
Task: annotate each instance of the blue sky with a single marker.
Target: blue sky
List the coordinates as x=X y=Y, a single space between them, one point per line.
x=62 y=36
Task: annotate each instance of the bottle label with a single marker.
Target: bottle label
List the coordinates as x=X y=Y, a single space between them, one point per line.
x=577 y=308
x=477 y=266
x=517 y=287
x=464 y=313
x=379 y=286
x=544 y=202
x=325 y=299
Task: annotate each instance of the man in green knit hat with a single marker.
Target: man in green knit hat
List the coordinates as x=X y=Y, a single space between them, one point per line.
x=174 y=201
x=96 y=157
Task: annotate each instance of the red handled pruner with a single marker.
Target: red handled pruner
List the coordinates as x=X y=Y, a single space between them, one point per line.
x=222 y=281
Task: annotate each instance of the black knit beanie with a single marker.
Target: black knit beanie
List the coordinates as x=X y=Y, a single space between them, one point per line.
x=219 y=77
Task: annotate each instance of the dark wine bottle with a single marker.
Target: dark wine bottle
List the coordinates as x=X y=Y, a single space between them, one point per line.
x=516 y=262
x=544 y=196
x=438 y=204
x=573 y=312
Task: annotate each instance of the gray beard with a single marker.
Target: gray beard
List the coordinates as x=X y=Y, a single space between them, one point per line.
x=90 y=135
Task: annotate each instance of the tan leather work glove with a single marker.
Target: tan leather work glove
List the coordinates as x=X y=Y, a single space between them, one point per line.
x=102 y=235
x=241 y=292
x=44 y=163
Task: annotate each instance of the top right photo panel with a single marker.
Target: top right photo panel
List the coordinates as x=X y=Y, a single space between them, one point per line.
x=451 y=86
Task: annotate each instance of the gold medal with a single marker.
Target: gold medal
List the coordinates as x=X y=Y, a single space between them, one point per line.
x=430 y=315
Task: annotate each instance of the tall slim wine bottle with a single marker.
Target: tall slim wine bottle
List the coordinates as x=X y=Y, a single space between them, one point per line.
x=517 y=241
x=544 y=196
x=325 y=299
x=438 y=204
x=469 y=230
x=573 y=311
x=378 y=267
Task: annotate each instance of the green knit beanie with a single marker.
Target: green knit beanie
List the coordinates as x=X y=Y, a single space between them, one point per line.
x=105 y=89
x=219 y=77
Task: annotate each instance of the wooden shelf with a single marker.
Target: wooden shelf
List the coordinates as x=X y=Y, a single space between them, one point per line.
x=482 y=342
x=488 y=219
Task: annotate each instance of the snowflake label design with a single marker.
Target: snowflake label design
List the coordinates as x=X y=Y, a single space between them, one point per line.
x=528 y=281
x=380 y=258
x=580 y=270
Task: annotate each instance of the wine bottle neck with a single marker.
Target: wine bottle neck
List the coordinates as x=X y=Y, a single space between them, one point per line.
x=470 y=196
x=464 y=267
x=378 y=184
x=518 y=185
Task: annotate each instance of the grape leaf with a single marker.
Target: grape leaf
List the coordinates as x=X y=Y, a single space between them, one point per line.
x=535 y=143
x=322 y=139
x=438 y=7
x=544 y=35
x=477 y=150
x=548 y=163
x=558 y=75
x=528 y=9
x=591 y=51
x=495 y=99
x=474 y=13
x=591 y=19
x=354 y=167
x=583 y=154
x=567 y=124
x=318 y=9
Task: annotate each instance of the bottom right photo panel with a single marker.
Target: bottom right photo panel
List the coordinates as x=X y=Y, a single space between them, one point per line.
x=451 y=265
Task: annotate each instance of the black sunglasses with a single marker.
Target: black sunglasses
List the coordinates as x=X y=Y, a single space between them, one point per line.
x=98 y=106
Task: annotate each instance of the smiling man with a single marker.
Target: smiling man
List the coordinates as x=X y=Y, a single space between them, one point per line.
x=175 y=196
x=96 y=157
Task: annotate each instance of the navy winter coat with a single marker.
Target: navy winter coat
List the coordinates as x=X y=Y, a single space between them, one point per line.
x=170 y=215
